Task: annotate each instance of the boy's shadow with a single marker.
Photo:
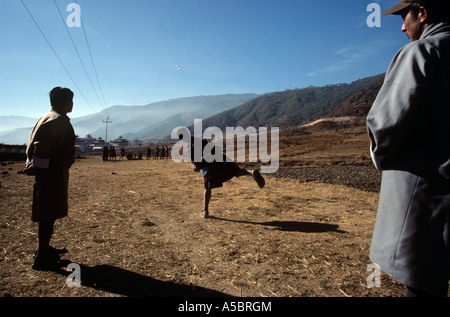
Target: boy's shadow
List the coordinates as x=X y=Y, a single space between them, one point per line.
x=292 y=226
x=119 y=281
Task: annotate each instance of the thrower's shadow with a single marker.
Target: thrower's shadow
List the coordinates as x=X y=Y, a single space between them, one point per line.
x=290 y=226
x=123 y=282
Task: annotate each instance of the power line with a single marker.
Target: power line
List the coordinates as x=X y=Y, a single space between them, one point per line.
x=76 y=50
x=56 y=54
x=92 y=59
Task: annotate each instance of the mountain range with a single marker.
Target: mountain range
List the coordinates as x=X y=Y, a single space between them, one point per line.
x=284 y=109
x=154 y=120
x=292 y=108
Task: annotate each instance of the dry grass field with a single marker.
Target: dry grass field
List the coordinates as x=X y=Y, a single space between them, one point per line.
x=135 y=228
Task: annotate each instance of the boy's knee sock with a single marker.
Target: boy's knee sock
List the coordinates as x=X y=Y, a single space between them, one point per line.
x=45 y=231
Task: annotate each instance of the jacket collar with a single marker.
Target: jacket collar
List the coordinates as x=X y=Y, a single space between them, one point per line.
x=436 y=28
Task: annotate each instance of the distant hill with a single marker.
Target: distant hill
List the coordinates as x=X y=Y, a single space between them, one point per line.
x=184 y=111
x=292 y=108
x=156 y=119
x=137 y=122
x=15 y=122
x=17 y=136
x=287 y=109
x=359 y=103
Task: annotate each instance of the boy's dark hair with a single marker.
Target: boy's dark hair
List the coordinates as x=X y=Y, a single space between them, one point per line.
x=438 y=11
x=60 y=96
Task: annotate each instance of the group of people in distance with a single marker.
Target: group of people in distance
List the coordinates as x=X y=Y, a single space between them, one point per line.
x=159 y=153
x=109 y=153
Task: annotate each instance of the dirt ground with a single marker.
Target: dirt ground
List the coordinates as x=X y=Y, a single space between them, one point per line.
x=135 y=229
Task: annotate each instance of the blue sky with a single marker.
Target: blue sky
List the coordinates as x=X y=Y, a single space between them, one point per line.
x=221 y=47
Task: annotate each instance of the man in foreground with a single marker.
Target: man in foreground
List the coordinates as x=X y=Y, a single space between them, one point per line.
x=50 y=154
x=409 y=131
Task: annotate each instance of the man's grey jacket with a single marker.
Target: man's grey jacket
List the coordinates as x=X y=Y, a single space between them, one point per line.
x=409 y=130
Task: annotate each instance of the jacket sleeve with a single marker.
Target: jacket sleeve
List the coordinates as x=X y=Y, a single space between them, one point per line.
x=391 y=122
x=53 y=141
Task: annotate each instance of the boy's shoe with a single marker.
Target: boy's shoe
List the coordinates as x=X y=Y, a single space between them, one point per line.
x=58 y=250
x=48 y=263
x=258 y=178
x=205 y=213
x=53 y=251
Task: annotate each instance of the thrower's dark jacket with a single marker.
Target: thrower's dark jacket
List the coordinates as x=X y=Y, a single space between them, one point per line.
x=409 y=129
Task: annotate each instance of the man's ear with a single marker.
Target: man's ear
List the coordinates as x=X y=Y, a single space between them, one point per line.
x=423 y=14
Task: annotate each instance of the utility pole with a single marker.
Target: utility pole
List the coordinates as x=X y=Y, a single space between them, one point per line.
x=107 y=121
